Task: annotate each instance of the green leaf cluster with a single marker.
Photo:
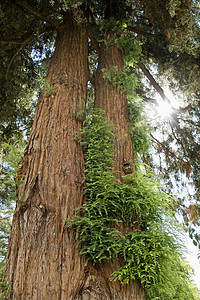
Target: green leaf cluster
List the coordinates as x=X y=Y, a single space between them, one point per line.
x=149 y=248
x=184 y=34
x=124 y=82
x=138 y=127
x=45 y=87
x=131 y=49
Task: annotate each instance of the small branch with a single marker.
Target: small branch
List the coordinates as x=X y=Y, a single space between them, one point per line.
x=16 y=53
x=164 y=147
x=176 y=138
x=183 y=109
x=143 y=33
x=36 y=13
x=190 y=122
x=190 y=139
x=145 y=98
x=183 y=133
x=153 y=82
x=11 y=42
x=23 y=44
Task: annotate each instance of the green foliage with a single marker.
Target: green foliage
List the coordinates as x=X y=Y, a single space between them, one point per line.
x=110 y=29
x=13 y=151
x=5 y=226
x=185 y=32
x=131 y=48
x=12 y=154
x=48 y=90
x=138 y=127
x=4 y=288
x=124 y=82
x=43 y=85
x=149 y=249
x=181 y=288
x=23 y=49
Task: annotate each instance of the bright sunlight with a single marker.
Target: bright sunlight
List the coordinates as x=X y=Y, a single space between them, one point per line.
x=164 y=109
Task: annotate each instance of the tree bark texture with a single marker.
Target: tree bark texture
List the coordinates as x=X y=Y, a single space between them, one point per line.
x=43 y=262
x=114 y=102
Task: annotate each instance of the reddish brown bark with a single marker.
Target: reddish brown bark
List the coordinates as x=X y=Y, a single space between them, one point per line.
x=43 y=261
x=114 y=103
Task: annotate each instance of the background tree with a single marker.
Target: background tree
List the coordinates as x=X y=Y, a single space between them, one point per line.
x=53 y=165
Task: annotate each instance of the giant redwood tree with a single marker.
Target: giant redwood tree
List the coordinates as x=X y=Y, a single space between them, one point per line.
x=92 y=45
x=52 y=170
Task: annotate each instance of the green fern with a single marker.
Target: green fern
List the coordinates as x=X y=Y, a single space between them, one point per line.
x=150 y=251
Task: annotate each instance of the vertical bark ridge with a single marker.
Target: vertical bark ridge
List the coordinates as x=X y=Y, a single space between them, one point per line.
x=43 y=261
x=114 y=103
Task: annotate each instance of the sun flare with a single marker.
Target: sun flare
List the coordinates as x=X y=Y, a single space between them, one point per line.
x=164 y=109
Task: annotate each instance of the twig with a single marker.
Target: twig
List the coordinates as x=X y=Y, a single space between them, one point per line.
x=11 y=42
x=145 y=98
x=176 y=138
x=164 y=147
x=190 y=122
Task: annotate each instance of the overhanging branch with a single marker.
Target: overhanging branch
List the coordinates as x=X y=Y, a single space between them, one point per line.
x=16 y=53
x=23 y=44
x=10 y=42
x=143 y=33
x=160 y=90
x=153 y=82
x=36 y=13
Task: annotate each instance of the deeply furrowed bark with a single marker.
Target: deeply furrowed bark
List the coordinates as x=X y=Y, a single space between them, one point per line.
x=43 y=261
x=114 y=103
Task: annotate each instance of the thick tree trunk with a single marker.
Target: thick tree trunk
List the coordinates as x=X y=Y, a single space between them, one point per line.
x=43 y=262
x=114 y=103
